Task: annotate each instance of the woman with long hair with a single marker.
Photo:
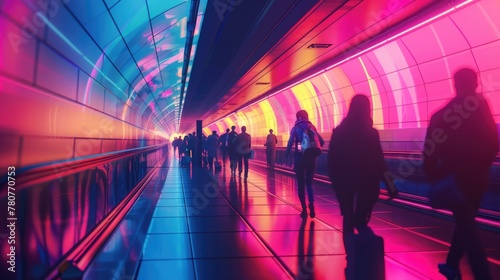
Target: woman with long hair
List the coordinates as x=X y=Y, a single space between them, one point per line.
x=356 y=165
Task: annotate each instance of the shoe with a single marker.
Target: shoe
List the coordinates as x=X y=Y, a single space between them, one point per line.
x=449 y=272
x=312 y=214
x=303 y=214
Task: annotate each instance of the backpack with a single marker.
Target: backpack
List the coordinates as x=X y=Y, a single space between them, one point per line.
x=310 y=142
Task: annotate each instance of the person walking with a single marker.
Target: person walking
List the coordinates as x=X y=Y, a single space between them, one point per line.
x=304 y=160
x=243 y=143
x=211 y=147
x=462 y=142
x=233 y=155
x=223 y=146
x=356 y=166
x=270 y=144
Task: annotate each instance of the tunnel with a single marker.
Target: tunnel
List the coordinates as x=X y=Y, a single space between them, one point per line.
x=96 y=96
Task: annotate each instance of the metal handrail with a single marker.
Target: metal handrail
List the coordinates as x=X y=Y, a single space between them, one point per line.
x=386 y=153
x=44 y=172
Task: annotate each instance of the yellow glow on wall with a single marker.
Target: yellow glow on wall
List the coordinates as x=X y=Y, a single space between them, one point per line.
x=305 y=99
x=254 y=116
x=269 y=116
x=377 y=113
x=241 y=119
x=229 y=122
x=207 y=131
x=315 y=99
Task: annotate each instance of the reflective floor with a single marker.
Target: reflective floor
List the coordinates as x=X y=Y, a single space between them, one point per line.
x=209 y=225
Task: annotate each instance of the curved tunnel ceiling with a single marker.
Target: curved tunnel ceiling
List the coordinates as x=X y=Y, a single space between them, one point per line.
x=278 y=46
x=407 y=76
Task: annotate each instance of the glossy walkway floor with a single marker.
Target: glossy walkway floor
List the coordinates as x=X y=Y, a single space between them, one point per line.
x=213 y=226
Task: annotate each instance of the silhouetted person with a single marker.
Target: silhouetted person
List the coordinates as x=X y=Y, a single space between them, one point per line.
x=204 y=151
x=356 y=166
x=243 y=143
x=270 y=144
x=184 y=151
x=191 y=145
x=231 y=148
x=304 y=164
x=223 y=146
x=184 y=146
x=174 y=144
x=211 y=147
x=462 y=141
x=181 y=148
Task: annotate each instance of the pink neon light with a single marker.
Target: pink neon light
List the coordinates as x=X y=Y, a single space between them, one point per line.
x=363 y=52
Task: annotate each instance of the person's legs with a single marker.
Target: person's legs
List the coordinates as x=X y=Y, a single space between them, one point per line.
x=466 y=239
x=210 y=161
x=224 y=156
x=347 y=227
x=345 y=198
x=300 y=172
x=362 y=213
x=310 y=165
x=233 y=164
x=232 y=161
x=240 y=164
x=245 y=159
x=272 y=159
x=451 y=269
x=475 y=253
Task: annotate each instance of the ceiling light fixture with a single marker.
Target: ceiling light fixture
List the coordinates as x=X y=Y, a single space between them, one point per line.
x=319 y=46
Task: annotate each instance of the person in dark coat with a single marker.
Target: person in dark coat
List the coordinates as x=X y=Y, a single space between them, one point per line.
x=462 y=142
x=270 y=144
x=356 y=166
x=211 y=147
x=183 y=147
x=223 y=146
x=243 y=143
x=233 y=154
x=303 y=164
x=174 y=144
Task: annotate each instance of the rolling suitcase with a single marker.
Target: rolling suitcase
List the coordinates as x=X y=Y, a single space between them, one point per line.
x=365 y=257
